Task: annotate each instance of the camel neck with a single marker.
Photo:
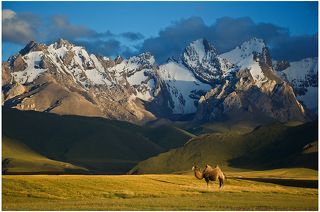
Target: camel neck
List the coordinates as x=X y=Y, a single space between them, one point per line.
x=198 y=174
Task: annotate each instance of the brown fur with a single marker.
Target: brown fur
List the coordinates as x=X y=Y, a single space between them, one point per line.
x=210 y=174
x=197 y=173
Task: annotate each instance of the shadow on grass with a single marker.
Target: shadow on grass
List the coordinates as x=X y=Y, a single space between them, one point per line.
x=285 y=182
x=164 y=181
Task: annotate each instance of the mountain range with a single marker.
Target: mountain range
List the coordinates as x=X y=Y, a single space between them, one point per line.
x=201 y=85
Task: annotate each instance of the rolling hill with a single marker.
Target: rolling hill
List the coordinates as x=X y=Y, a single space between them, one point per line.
x=18 y=158
x=272 y=146
x=96 y=144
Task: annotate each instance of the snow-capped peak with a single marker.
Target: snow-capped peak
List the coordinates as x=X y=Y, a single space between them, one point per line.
x=28 y=47
x=63 y=43
x=199 y=49
x=253 y=45
x=31 y=47
x=246 y=56
x=147 y=57
x=201 y=57
x=246 y=49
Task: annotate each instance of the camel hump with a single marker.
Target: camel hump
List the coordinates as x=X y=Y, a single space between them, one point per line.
x=208 y=167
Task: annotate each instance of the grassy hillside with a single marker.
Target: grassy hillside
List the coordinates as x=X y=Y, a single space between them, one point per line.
x=21 y=159
x=152 y=192
x=272 y=146
x=97 y=144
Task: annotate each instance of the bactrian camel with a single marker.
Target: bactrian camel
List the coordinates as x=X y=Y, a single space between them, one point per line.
x=210 y=174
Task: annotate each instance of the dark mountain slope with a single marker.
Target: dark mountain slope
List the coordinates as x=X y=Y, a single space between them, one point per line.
x=19 y=159
x=97 y=144
x=271 y=146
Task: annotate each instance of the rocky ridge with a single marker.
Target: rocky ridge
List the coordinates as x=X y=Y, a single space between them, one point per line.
x=64 y=78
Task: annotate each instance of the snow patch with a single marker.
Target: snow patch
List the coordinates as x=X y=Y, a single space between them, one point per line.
x=137 y=78
x=199 y=48
x=245 y=50
x=299 y=69
x=243 y=57
x=183 y=86
x=32 y=71
x=302 y=75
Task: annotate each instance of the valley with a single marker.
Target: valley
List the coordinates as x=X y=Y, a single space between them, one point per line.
x=57 y=144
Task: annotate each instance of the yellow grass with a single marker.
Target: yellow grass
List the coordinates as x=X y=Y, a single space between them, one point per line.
x=149 y=192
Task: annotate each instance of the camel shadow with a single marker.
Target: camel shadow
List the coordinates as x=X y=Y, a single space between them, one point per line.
x=164 y=181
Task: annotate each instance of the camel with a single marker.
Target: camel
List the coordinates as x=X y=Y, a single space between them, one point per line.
x=210 y=174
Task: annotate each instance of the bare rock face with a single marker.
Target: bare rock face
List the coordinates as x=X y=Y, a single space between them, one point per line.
x=6 y=76
x=16 y=90
x=67 y=59
x=107 y=62
x=288 y=108
x=32 y=46
x=232 y=103
x=18 y=64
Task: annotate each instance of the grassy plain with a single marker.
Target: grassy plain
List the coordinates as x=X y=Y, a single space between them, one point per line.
x=161 y=192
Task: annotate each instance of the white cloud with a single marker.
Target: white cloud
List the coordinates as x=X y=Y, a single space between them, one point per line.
x=8 y=14
x=18 y=29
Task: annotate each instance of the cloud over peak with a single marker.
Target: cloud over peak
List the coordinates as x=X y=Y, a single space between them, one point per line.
x=226 y=33
x=19 y=28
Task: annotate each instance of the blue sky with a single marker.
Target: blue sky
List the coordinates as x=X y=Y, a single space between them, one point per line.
x=131 y=27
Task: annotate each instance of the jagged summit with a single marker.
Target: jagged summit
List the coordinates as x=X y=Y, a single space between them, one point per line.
x=245 y=50
x=32 y=46
x=28 y=47
x=199 y=49
x=64 y=78
x=202 y=58
x=256 y=44
x=62 y=43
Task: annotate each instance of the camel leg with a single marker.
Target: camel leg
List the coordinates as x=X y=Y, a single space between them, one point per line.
x=220 y=183
x=207 y=180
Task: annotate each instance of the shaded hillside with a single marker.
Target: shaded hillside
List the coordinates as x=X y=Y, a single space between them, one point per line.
x=292 y=147
x=271 y=146
x=98 y=144
x=18 y=158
